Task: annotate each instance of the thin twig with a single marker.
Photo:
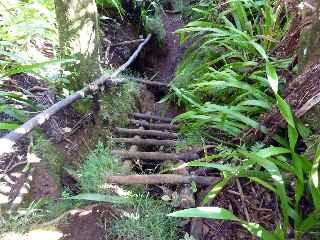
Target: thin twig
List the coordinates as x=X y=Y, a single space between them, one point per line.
x=243 y=200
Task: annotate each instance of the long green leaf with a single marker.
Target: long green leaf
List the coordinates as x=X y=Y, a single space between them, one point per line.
x=223 y=214
x=96 y=197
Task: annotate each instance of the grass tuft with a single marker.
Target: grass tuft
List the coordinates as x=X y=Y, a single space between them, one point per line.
x=146 y=220
x=99 y=164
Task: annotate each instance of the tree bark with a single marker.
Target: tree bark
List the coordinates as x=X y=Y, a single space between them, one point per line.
x=146 y=142
x=79 y=36
x=156 y=156
x=161 y=179
x=149 y=125
x=151 y=117
x=149 y=133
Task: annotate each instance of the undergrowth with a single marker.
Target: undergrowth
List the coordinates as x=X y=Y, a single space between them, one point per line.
x=222 y=81
x=99 y=164
x=48 y=155
x=28 y=45
x=146 y=219
x=20 y=221
x=236 y=83
x=118 y=102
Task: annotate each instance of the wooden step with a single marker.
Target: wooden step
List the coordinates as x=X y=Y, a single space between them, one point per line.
x=155 y=156
x=148 y=133
x=161 y=179
x=151 y=117
x=157 y=126
x=146 y=142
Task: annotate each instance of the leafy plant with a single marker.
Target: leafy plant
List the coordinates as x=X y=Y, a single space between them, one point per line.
x=117 y=4
x=27 y=45
x=22 y=219
x=274 y=168
x=150 y=18
x=99 y=164
x=118 y=102
x=146 y=219
x=221 y=81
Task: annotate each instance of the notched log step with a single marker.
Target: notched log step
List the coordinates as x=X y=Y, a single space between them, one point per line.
x=161 y=179
x=147 y=133
x=146 y=142
x=149 y=125
x=156 y=156
x=151 y=117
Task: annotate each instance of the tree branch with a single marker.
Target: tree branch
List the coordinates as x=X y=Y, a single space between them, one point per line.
x=7 y=142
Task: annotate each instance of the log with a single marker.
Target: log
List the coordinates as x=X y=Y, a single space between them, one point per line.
x=150 y=133
x=157 y=126
x=151 y=83
x=302 y=95
x=8 y=141
x=156 y=156
x=146 y=142
x=151 y=117
x=161 y=179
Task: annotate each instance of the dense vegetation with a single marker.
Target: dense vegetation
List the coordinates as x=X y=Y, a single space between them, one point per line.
x=228 y=77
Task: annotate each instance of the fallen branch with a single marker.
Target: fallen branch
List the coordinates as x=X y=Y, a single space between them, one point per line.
x=127 y=42
x=8 y=141
x=156 y=156
x=150 y=133
x=151 y=117
x=161 y=179
x=158 y=126
x=152 y=83
x=146 y=142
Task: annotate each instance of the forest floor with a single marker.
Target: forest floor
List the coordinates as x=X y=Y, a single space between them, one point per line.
x=154 y=62
x=75 y=135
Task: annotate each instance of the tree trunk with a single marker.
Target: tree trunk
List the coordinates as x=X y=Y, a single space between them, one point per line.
x=79 y=36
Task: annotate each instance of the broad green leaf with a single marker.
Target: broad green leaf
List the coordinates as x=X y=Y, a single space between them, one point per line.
x=30 y=67
x=206 y=212
x=263 y=104
x=263 y=54
x=314 y=174
x=310 y=222
x=303 y=130
x=8 y=126
x=223 y=214
x=314 y=179
x=285 y=110
x=299 y=187
x=272 y=151
x=278 y=181
x=293 y=137
x=272 y=77
x=216 y=189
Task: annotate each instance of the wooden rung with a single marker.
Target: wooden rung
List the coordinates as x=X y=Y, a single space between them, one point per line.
x=161 y=179
x=146 y=142
x=155 y=156
x=158 y=126
x=151 y=117
x=149 y=133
